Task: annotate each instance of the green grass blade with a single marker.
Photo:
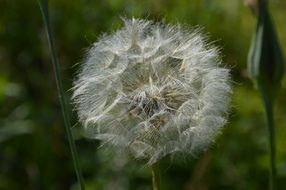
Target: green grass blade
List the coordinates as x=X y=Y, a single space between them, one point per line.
x=66 y=116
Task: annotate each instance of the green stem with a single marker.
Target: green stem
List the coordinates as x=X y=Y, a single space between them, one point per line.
x=65 y=112
x=155 y=176
x=268 y=106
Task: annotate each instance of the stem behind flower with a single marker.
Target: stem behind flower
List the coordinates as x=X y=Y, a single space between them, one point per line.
x=155 y=176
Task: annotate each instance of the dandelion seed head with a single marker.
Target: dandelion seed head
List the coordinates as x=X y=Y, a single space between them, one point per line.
x=153 y=90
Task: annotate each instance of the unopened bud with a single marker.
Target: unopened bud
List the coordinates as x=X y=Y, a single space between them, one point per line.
x=265 y=61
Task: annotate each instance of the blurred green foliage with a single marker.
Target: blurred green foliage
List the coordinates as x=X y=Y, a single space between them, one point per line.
x=34 y=153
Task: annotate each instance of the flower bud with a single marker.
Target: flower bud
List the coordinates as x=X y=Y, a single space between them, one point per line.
x=265 y=61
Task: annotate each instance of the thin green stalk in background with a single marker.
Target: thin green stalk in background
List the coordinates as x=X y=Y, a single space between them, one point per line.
x=155 y=176
x=268 y=108
x=56 y=68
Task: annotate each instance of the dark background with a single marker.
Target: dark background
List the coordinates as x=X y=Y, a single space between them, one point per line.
x=34 y=152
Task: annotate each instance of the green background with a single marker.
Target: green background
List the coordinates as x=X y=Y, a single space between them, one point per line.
x=34 y=152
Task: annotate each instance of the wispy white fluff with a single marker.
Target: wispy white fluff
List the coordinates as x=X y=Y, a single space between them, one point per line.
x=152 y=90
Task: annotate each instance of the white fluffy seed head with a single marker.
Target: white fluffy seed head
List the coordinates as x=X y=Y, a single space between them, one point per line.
x=152 y=90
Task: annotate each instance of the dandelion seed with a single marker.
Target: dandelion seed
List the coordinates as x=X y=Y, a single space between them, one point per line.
x=153 y=90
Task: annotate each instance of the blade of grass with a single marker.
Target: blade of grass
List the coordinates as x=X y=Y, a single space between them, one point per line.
x=65 y=112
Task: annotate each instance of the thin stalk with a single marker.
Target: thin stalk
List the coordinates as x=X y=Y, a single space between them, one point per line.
x=268 y=107
x=155 y=176
x=61 y=94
